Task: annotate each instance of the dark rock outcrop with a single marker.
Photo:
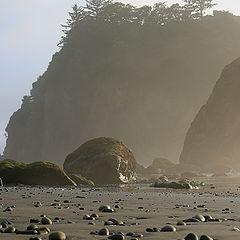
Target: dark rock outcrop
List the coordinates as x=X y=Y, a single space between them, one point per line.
x=213 y=140
x=140 y=83
x=36 y=173
x=174 y=185
x=140 y=169
x=160 y=164
x=103 y=160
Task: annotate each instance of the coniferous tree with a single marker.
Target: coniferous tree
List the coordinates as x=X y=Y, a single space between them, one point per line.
x=159 y=13
x=77 y=14
x=198 y=7
x=117 y=12
x=95 y=8
x=143 y=14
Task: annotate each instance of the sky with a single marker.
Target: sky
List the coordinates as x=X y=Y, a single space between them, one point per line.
x=30 y=31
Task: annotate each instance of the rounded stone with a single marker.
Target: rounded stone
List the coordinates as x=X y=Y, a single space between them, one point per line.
x=86 y=217
x=201 y=218
x=57 y=236
x=205 y=237
x=168 y=228
x=46 y=221
x=94 y=215
x=130 y=234
x=181 y=223
x=103 y=231
x=44 y=230
x=207 y=217
x=32 y=227
x=192 y=220
x=10 y=229
x=104 y=207
x=108 y=210
x=137 y=235
x=191 y=236
x=116 y=237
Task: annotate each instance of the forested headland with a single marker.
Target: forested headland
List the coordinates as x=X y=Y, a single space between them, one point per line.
x=135 y=73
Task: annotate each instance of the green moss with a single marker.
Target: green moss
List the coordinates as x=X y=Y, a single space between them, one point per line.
x=12 y=163
x=36 y=173
x=190 y=182
x=42 y=164
x=80 y=180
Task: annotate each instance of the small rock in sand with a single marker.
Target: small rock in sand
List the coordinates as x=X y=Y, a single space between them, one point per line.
x=201 y=218
x=235 y=229
x=10 y=230
x=57 y=236
x=32 y=227
x=105 y=208
x=205 y=237
x=46 y=221
x=103 y=231
x=191 y=236
x=168 y=228
x=116 y=237
x=181 y=223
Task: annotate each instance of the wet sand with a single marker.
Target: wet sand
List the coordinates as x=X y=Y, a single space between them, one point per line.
x=140 y=207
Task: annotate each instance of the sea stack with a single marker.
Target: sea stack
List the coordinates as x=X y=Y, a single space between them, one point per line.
x=213 y=139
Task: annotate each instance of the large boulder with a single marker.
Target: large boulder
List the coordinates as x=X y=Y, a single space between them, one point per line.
x=36 y=173
x=213 y=140
x=103 y=160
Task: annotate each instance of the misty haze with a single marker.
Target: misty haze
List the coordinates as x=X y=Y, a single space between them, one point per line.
x=133 y=129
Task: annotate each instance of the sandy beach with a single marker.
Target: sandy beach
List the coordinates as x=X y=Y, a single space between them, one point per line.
x=137 y=206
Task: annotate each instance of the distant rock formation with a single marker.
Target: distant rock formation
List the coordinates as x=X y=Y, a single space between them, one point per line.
x=154 y=170
x=161 y=163
x=103 y=160
x=140 y=169
x=142 y=83
x=213 y=140
x=36 y=173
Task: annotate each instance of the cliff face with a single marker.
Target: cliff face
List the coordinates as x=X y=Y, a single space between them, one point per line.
x=143 y=84
x=213 y=140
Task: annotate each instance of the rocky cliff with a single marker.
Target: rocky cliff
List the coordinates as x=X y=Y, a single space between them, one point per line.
x=140 y=83
x=213 y=140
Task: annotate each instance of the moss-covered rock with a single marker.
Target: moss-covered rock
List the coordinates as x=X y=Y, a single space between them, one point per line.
x=181 y=184
x=80 y=180
x=104 y=160
x=36 y=173
x=173 y=185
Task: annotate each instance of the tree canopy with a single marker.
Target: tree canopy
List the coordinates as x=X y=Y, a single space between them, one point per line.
x=198 y=7
x=117 y=12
